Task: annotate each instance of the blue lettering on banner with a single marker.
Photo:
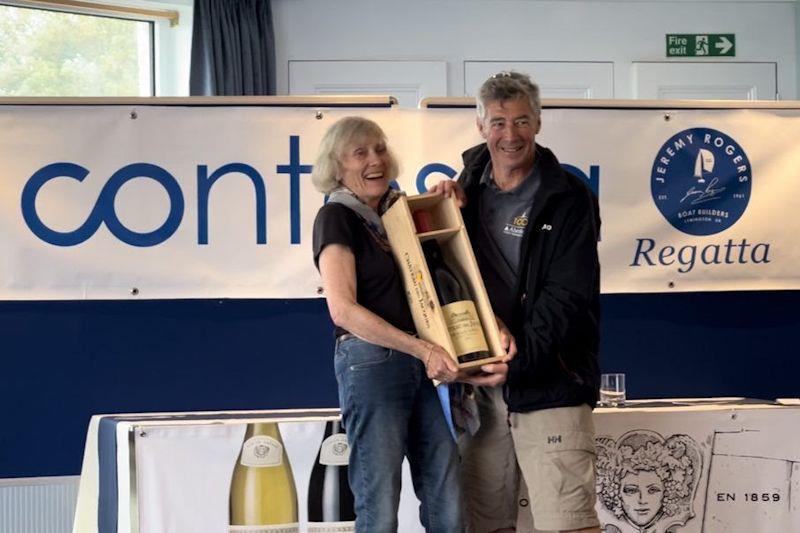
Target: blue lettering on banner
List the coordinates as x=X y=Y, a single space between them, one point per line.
x=729 y=253
x=294 y=169
x=103 y=210
x=592 y=180
x=433 y=168
x=204 y=184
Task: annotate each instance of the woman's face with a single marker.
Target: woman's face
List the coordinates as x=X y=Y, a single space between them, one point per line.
x=642 y=495
x=362 y=169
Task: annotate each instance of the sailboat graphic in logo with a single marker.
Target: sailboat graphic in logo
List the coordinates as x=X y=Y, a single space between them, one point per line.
x=704 y=162
x=701 y=181
x=698 y=194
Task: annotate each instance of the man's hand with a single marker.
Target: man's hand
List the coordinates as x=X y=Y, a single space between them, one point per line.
x=448 y=187
x=491 y=375
x=506 y=340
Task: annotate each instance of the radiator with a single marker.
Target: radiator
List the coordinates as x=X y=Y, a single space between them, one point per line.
x=38 y=505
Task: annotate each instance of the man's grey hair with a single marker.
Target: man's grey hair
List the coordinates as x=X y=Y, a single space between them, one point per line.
x=343 y=134
x=508 y=85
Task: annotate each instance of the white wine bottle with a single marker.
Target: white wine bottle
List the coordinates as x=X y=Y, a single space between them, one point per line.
x=330 y=501
x=263 y=495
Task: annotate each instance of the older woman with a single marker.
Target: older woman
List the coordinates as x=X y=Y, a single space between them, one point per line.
x=389 y=405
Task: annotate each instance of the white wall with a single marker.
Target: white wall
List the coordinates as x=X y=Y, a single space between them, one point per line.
x=517 y=30
x=173 y=50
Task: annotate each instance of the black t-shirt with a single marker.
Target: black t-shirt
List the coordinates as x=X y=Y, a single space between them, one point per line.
x=378 y=284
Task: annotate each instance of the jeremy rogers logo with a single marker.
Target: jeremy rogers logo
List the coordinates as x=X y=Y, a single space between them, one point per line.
x=701 y=181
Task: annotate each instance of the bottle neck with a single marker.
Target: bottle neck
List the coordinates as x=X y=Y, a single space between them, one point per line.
x=432 y=251
x=266 y=429
x=422 y=221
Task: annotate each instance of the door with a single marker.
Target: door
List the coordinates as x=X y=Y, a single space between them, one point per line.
x=666 y=80
x=556 y=79
x=408 y=81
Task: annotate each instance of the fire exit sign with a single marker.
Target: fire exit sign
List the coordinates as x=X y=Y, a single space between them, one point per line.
x=701 y=44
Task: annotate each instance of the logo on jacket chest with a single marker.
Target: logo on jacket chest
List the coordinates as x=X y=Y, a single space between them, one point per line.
x=516 y=227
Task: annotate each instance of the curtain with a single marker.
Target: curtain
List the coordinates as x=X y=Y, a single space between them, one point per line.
x=233 y=48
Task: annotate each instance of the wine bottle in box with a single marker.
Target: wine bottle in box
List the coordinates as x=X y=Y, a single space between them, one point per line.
x=439 y=220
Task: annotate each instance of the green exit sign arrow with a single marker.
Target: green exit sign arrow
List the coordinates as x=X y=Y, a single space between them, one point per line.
x=701 y=44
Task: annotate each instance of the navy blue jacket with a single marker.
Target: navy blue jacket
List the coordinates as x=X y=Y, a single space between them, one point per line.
x=556 y=325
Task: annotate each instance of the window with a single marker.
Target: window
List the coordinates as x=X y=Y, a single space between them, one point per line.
x=53 y=53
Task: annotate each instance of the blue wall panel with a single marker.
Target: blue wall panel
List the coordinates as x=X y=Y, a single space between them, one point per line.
x=64 y=361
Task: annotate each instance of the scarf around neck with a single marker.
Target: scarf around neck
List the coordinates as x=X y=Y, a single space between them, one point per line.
x=370 y=218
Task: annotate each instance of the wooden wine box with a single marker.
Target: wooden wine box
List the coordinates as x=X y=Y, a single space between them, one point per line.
x=447 y=227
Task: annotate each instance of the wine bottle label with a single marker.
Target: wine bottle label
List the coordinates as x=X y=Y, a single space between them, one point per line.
x=262 y=451
x=335 y=450
x=275 y=528
x=331 y=527
x=464 y=327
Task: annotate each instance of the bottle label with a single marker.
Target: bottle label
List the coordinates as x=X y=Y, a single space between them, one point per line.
x=276 y=528
x=335 y=450
x=464 y=327
x=331 y=527
x=262 y=451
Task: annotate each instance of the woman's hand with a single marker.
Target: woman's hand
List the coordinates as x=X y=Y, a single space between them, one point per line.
x=439 y=365
x=507 y=341
x=450 y=187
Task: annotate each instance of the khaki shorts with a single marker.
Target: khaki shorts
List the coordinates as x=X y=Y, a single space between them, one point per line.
x=555 y=451
x=490 y=476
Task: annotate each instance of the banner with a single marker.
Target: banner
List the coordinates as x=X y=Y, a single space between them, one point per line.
x=116 y=202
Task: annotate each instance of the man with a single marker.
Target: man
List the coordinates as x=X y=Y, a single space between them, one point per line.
x=534 y=228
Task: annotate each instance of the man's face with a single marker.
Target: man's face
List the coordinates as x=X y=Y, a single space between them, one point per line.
x=510 y=128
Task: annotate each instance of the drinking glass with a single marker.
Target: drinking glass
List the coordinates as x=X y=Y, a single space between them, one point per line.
x=612 y=390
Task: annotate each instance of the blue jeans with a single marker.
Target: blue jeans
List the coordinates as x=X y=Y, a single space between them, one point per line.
x=390 y=410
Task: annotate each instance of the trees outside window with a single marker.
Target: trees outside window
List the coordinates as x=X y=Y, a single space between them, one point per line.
x=50 y=53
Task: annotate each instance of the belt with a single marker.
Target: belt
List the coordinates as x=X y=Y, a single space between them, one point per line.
x=345 y=336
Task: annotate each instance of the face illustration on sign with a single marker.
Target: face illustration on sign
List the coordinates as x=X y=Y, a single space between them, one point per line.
x=642 y=495
x=648 y=483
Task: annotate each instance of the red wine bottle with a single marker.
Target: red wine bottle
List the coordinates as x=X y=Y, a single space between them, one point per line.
x=460 y=314
x=330 y=501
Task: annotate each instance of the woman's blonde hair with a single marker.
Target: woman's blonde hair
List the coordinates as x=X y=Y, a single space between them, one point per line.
x=344 y=133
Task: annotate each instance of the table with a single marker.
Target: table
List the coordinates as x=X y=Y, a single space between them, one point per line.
x=694 y=465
